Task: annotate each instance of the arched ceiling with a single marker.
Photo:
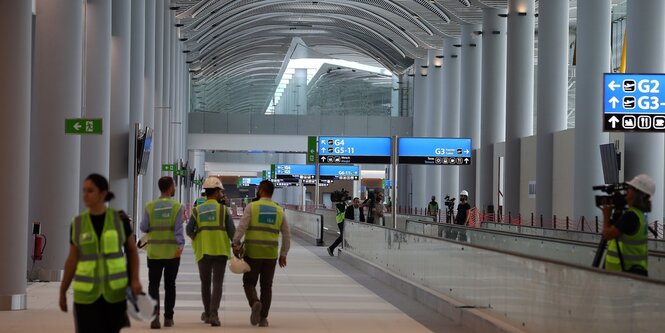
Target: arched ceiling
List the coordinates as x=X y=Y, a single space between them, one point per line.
x=236 y=48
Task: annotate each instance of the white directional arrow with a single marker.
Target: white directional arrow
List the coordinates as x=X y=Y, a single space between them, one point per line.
x=614 y=100
x=323 y=158
x=466 y=160
x=614 y=120
x=613 y=85
x=323 y=150
x=466 y=151
x=77 y=126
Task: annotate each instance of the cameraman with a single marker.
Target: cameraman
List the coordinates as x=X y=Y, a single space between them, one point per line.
x=629 y=252
x=462 y=208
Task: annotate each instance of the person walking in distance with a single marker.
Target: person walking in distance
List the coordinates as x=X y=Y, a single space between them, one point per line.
x=433 y=208
x=96 y=263
x=261 y=224
x=462 y=208
x=163 y=223
x=211 y=229
x=340 y=208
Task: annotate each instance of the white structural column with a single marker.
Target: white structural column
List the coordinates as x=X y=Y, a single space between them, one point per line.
x=137 y=75
x=492 y=103
x=420 y=109
x=470 y=101
x=645 y=153
x=120 y=90
x=519 y=94
x=96 y=149
x=394 y=97
x=58 y=57
x=593 y=59
x=300 y=80
x=149 y=96
x=158 y=138
x=167 y=107
x=434 y=117
x=552 y=96
x=15 y=60
x=451 y=110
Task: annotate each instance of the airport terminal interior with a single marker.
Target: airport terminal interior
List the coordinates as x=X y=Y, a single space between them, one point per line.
x=507 y=156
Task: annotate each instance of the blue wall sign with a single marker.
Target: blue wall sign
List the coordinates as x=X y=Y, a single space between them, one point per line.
x=339 y=149
x=250 y=181
x=435 y=151
x=634 y=102
x=302 y=171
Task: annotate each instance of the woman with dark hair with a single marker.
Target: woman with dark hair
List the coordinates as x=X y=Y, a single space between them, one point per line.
x=97 y=264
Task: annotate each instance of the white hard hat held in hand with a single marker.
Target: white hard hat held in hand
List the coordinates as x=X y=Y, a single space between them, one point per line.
x=643 y=183
x=238 y=265
x=212 y=183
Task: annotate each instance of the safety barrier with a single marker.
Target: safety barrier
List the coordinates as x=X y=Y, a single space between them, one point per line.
x=532 y=294
x=570 y=251
x=305 y=224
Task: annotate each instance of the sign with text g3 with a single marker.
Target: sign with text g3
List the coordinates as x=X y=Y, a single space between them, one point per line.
x=350 y=150
x=634 y=102
x=434 y=151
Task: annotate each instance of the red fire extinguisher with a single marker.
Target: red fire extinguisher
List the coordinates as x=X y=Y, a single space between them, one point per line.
x=40 y=245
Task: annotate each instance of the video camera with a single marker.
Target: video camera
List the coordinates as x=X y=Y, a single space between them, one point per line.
x=340 y=196
x=616 y=196
x=449 y=202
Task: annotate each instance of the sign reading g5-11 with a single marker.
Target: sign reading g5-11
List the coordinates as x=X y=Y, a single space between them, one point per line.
x=435 y=151
x=634 y=102
x=339 y=149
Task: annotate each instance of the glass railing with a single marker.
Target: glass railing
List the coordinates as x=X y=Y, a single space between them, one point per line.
x=532 y=294
x=569 y=251
x=306 y=224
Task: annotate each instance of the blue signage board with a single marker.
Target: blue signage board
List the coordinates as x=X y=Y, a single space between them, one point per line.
x=342 y=172
x=350 y=150
x=435 y=151
x=300 y=171
x=250 y=181
x=634 y=102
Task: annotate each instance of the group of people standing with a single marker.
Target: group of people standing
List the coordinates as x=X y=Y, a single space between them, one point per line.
x=103 y=261
x=355 y=212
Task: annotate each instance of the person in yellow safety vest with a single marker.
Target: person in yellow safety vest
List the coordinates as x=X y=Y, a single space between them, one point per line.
x=627 y=249
x=211 y=229
x=340 y=208
x=200 y=200
x=433 y=208
x=163 y=223
x=97 y=265
x=261 y=223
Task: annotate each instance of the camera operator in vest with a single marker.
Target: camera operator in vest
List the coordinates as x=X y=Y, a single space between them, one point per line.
x=211 y=229
x=339 y=198
x=163 y=223
x=627 y=249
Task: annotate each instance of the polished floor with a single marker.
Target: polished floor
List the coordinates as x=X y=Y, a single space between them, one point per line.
x=314 y=293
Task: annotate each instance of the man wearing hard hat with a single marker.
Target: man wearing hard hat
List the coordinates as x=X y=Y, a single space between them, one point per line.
x=627 y=246
x=263 y=220
x=462 y=208
x=162 y=221
x=211 y=229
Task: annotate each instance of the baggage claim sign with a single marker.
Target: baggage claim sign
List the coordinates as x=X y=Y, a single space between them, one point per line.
x=634 y=103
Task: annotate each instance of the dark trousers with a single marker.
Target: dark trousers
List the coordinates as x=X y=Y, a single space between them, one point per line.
x=100 y=317
x=265 y=270
x=170 y=268
x=211 y=270
x=341 y=236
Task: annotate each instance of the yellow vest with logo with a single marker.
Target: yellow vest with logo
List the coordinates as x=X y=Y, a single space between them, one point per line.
x=211 y=236
x=101 y=269
x=162 y=215
x=262 y=237
x=200 y=200
x=634 y=248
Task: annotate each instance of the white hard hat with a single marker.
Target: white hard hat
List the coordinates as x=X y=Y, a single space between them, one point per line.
x=141 y=307
x=213 y=182
x=643 y=183
x=464 y=193
x=238 y=266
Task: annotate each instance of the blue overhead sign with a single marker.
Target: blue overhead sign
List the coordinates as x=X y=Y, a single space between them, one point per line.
x=305 y=171
x=341 y=149
x=634 y=102
x=250 y=181
x=343 y=172
x=435 y=151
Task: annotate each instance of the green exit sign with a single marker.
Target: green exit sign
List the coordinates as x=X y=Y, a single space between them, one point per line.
x=83 y=126
x=198 y=182
x=181 y=172
x=168 y=167
x=311 y=149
